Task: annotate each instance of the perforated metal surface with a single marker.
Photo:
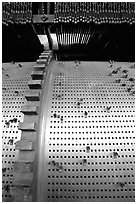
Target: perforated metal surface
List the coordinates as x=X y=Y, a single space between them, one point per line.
x=14 y=84
x=89 y=134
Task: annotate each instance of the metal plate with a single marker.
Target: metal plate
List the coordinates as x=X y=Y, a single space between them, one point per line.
x=89 y=154
x=14 y=84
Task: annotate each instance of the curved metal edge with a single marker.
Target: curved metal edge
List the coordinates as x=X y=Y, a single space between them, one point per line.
x=40 y=140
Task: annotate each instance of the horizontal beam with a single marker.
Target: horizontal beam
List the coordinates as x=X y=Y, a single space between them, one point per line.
x=42 y=18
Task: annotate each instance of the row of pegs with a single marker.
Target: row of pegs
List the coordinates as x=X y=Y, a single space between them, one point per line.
x=16 y=12
x=97 y=12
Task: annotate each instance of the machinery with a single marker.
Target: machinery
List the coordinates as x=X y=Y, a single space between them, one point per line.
x=69 y=118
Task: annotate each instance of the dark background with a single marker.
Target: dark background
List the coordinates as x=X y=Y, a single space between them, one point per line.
x=117 y=42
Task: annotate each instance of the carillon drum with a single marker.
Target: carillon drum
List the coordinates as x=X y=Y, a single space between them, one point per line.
x=68 y=102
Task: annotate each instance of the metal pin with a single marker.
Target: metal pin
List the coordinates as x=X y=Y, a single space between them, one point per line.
x=133 y=93
x=7 y=188
x=123 y=85
x=131 y=79
x=53 y=163
x=132 y=85
x=125 y=76
x=108 y=108
x=7 y=123
x=118 y=80
x=85 y=113
x=58 y=116
x=114 y=72
x=129 y=89
x=14 y=120
x=61 y=118
x=20 y=65
x=4 y=170
x=125 y=71
x=110 y=61
x=7 y=75
x=88 y=149
x=133 y=66
x=81 y=99
x=16 y=92
x=11 y=141
x=121 y=184
x=54 y=115
x=118 y=69
x=78 y=103
x=59 y=96
x=111 y=65
x=84 y=161
x=115 y=154
x=76 y=66
x=60 y=168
